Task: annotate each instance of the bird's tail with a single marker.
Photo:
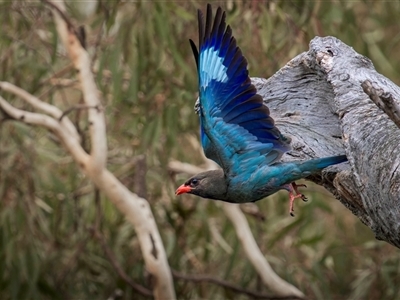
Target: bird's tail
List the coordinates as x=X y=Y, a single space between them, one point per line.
x=320 y=163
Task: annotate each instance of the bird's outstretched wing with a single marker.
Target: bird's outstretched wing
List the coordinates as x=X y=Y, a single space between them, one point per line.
x=237 y=130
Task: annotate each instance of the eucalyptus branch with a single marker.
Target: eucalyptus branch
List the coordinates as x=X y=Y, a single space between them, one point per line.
x=81 y=61
x=69 y=141
x=36 y=103
x=30 y=117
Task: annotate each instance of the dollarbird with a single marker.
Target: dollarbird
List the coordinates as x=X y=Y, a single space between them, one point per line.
x=236 y=129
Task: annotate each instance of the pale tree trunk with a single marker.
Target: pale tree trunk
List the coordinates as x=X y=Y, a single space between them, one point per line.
x=318 y=100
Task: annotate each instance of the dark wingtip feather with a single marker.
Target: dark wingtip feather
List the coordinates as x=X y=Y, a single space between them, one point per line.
x=217 y=22
x=207 y=30
x=195 y=52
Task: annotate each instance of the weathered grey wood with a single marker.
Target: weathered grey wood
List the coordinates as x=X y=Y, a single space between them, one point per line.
x=317 y=99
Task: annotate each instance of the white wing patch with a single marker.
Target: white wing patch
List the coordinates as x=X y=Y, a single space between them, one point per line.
x=212 y=67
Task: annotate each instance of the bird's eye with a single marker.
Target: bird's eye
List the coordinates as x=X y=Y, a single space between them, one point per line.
x=194 y=182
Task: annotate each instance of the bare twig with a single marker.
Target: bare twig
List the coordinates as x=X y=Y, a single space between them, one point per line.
x=384 y=101
x=228 y=285
x=69 y=141
x=71 y=27
x=76 y=107
x=59 y=73
x=32 y=100
x=29 y=117
x=36 y=103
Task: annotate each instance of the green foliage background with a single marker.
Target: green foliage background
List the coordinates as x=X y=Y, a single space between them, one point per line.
x=146 y=75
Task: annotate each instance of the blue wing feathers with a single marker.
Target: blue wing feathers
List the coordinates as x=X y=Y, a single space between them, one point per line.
x=236 y=128
x=243 y=117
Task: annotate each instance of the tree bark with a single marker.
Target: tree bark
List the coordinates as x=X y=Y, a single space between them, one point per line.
x=317 y=99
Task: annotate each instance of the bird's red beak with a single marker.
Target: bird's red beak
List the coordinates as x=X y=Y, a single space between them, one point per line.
x=183 y=189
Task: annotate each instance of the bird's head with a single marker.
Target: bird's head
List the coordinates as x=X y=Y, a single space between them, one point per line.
x=209 y=184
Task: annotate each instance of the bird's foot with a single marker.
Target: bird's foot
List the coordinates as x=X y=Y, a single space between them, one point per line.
x=291 y=203
x=295 y=188
x=295 y=194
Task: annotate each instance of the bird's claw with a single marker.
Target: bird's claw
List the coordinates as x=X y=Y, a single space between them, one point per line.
x=294 y=194
x=291 y=203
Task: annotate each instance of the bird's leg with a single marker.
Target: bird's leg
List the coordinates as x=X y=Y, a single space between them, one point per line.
x=294 y=193
x=295 y=186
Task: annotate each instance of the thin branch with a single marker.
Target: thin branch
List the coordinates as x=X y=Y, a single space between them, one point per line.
x=32 y=100
x=71 y=26
x=81 y=61
x=36 y=103
x=71 y=143
x=228 y=285
x=384 y=101
x=29 y=117
x=76 y=107
x=59 y=73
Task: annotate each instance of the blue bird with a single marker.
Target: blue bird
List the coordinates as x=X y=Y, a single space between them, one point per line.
x=237 y=131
